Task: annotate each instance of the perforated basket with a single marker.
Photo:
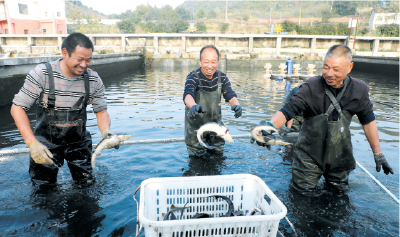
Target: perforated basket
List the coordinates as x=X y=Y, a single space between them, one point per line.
x=246 y=192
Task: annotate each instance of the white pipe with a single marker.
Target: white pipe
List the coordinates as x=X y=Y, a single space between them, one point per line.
x=379 y=183
x=26 y=150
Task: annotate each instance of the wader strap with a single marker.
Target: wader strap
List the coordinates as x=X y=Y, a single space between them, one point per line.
x=335 y=101
x=198 y=77
x=76 y=105
x=219 y=84
x=87 y=88
x=52 y=95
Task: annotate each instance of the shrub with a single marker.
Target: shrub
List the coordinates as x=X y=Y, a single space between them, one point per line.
x=223 y=27
x=288 y=26
x=389 y=30
x=200 y=26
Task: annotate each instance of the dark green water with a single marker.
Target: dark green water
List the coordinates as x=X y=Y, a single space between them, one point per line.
x=148 y=103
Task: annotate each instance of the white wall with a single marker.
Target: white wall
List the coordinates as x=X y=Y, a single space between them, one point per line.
x=13 y=7
x=37 y=9
x=378 y=19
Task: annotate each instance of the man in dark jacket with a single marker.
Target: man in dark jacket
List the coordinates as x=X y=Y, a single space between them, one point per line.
x=328 y=103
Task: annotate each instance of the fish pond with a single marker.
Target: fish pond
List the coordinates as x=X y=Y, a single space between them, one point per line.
x=148 y=103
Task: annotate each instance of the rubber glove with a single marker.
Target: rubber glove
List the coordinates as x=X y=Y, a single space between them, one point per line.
x=113 y=142
x=39 y=153
x=238 y=110
x=381 y=161
x=195 y=110
x=107 y=134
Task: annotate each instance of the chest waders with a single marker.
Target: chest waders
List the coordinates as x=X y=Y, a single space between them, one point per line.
x=64 y=134
x=324 y=148
x=211 y=102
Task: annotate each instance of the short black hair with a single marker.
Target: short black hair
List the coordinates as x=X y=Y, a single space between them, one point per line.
x=207 y=47
x=339 y=50
x=74 y=40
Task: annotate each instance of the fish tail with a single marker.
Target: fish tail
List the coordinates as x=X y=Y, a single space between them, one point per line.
x=93 y=160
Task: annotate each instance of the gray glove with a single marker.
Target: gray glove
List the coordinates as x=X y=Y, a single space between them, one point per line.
x=107 y=134
x=238 y=110
x=40 y=154
x=381 y=161
x=195 y=110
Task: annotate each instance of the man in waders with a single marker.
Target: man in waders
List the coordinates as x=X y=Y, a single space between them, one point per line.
x=328 y=103
x=202 y=97
x=62 y=89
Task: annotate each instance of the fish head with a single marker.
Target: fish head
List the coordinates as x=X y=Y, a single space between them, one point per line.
x=124 y=137
x=227 y=136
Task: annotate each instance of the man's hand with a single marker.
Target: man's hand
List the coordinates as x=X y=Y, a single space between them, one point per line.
x=39 y=153
x=381 y=161
x=107 y=134
x=264 y=134
x=238 y=110
x=195 y=110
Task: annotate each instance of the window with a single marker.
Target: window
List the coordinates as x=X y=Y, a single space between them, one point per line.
x=44 y=31
x=58 y=14
x=23 y=8
x=26 y=32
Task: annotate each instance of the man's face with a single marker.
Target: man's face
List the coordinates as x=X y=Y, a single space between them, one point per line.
x=78 y=62
x=209 y=62
x=335 y=70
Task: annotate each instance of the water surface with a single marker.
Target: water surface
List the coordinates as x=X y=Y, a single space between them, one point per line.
x=148 y=103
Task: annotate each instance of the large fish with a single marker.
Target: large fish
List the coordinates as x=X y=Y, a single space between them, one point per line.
x=172 y=210
x=108 y=143
x=219 y=129
x=270 y=139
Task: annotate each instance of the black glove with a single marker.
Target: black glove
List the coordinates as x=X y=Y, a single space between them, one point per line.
x=195 y=110
x=381 y=161
x=238 y=110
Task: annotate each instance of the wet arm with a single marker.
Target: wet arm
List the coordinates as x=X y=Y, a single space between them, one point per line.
x=278 y=120
x=234 y=101
x=371 y=132
x=103 y=120
x=22 y=121
x=189 y=101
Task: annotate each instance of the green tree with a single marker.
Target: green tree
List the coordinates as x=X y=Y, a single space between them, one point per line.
x=180 y=25
x=211 y=14
x=75 y=15
x=126 y=26
x=288 y=26
x=200 y=26
x=223 y=27
x=183 y=13
x=200 y=14
x=142 y=12
x=245 y=17
x=326 y=15
x=389 y=30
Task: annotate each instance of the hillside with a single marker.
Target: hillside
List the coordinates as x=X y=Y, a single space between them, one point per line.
x=87 y=11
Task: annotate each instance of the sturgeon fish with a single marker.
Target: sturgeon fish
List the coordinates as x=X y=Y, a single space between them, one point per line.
x=219 y=129
x=271 y=139
x=108 y=143
x=171 y=211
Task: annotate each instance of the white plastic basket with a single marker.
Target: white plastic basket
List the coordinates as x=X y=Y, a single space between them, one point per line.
x=246 y=192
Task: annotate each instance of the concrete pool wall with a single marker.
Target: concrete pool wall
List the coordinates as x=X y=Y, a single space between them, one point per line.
x=13 y=70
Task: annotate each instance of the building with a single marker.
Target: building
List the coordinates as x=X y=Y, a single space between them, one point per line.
x=378 y=19
x=32 y=17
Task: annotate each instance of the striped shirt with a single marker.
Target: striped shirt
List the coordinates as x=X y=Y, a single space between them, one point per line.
x=192 y=84
x=68 y=90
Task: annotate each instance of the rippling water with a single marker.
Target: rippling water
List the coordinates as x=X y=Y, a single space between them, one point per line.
x=148 y=103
